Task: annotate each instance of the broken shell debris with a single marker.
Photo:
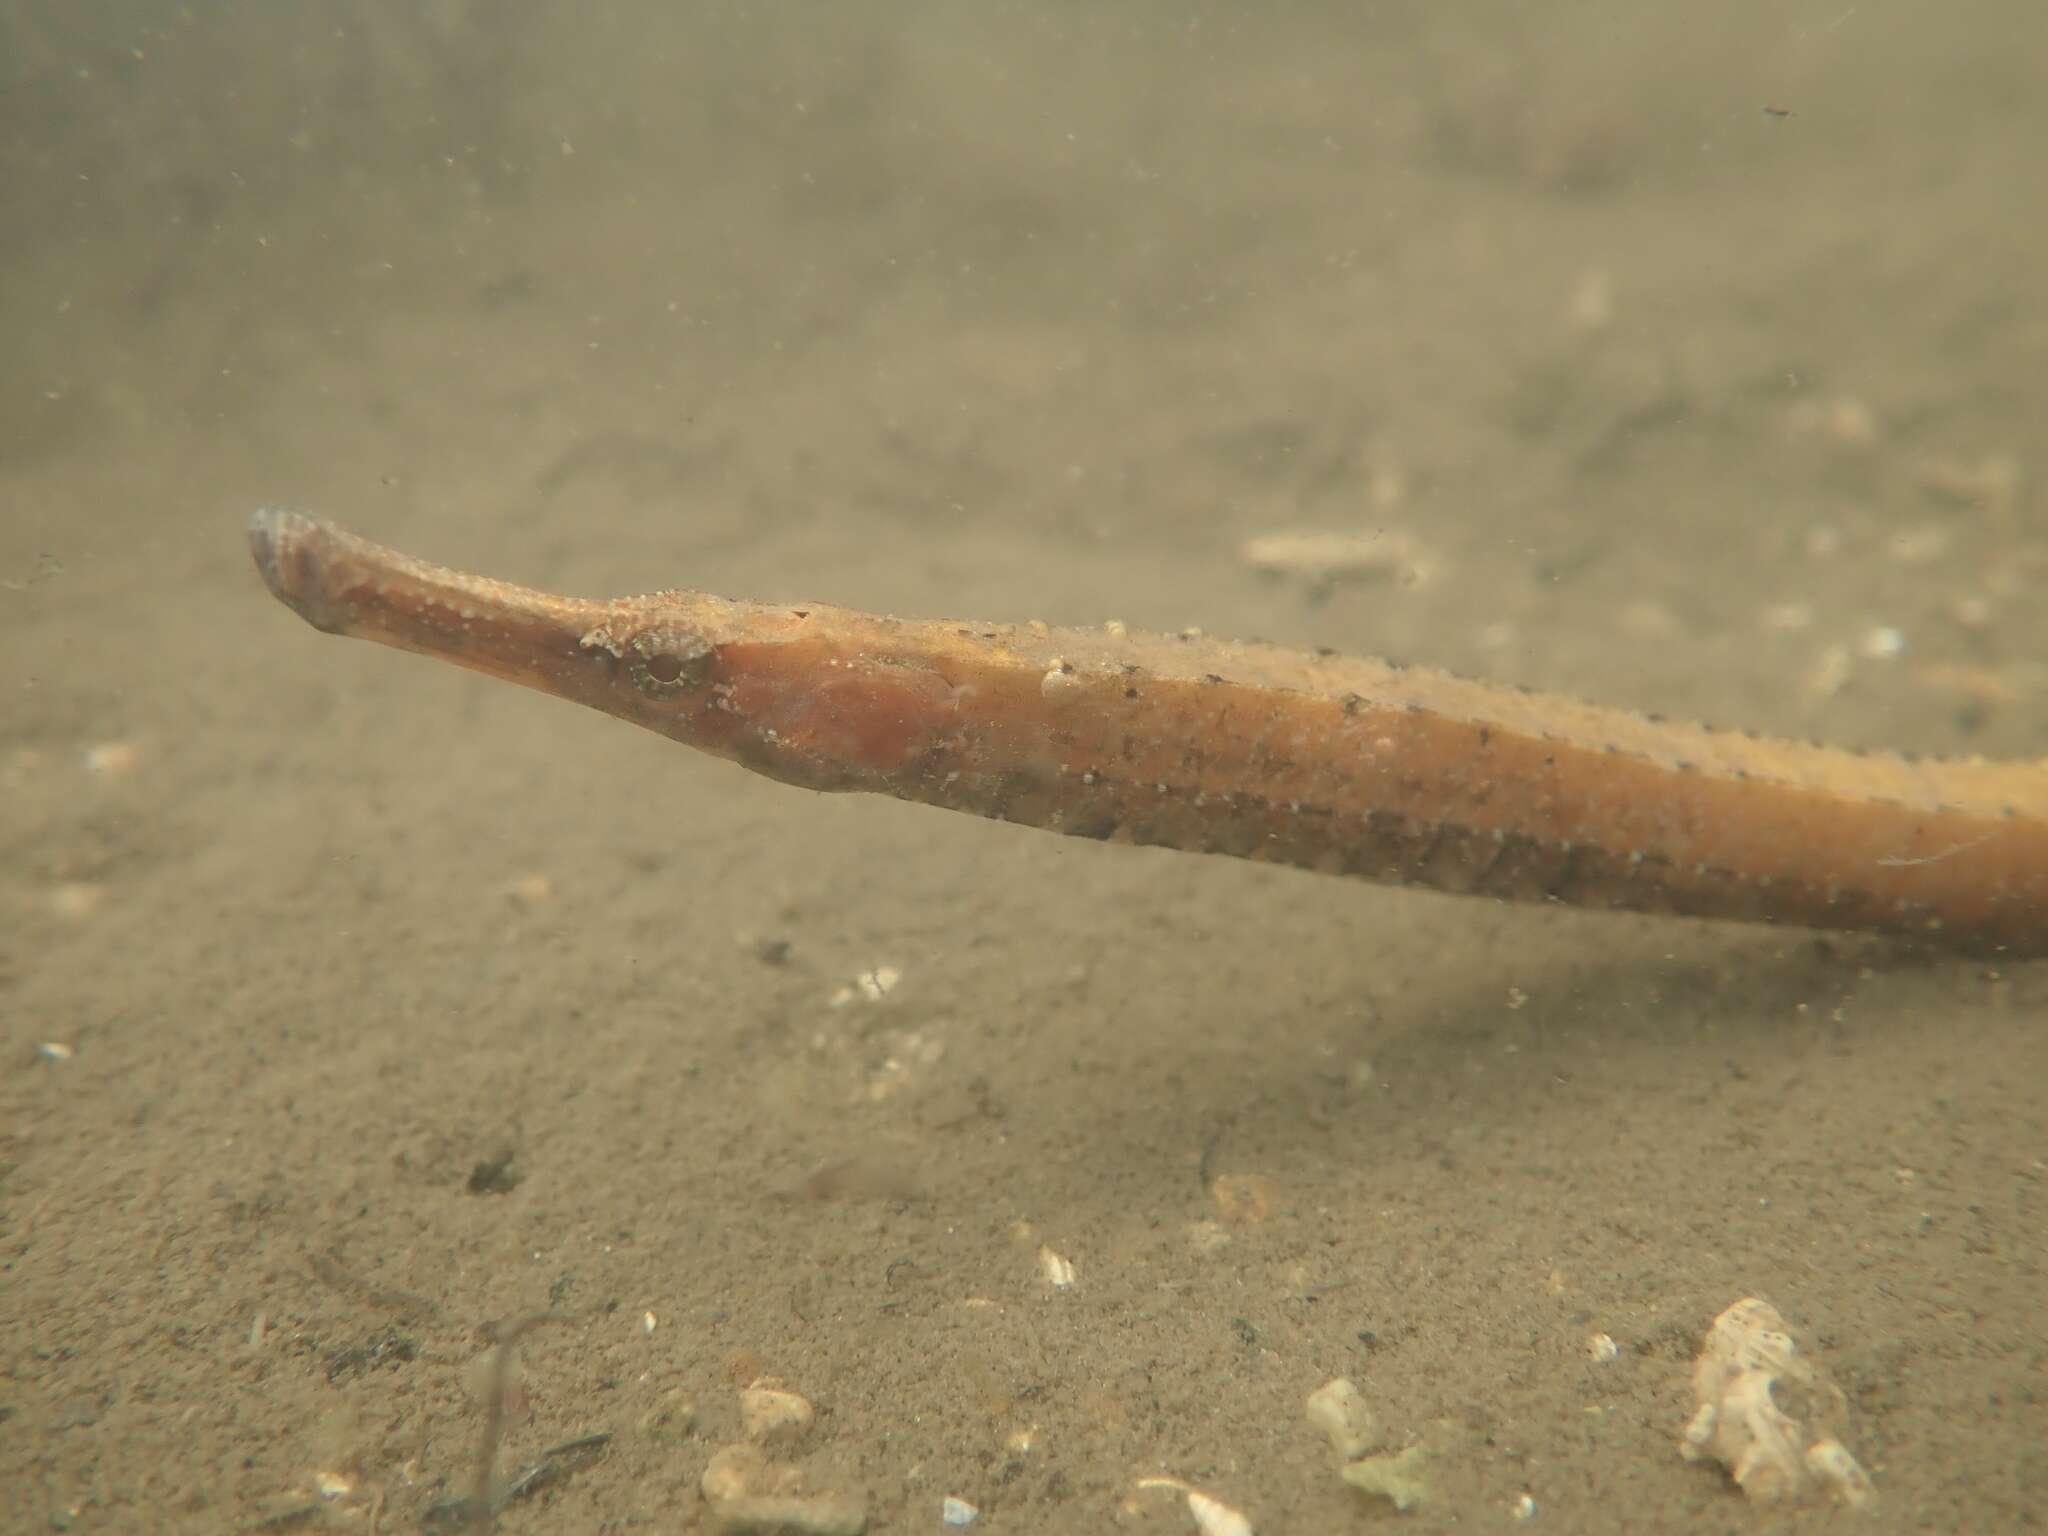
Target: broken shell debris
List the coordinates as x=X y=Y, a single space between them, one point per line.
x=1056 y=1271
x=747 y=1492
x=1339 y=1410
x=1750 y=1361
x=1213 y=1517
x=868 y=987
x=1397 y=1477
x=333 y=1485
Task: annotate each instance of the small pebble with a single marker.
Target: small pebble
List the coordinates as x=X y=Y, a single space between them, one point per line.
x=113 y=758
x=957 y=1511
x=770 y=1412
x=749 y=1494
x=1061 y=682
x=729 y=1474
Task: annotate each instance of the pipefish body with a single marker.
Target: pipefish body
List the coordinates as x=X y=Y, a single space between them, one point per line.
x=1340 y=765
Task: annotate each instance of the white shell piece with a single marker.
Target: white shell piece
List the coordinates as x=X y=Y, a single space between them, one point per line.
x=1748 y=1361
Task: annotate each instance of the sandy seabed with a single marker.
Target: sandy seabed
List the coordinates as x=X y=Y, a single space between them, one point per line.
x=353 y=1010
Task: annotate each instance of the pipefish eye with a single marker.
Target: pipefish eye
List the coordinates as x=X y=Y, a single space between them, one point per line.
x=663 y=664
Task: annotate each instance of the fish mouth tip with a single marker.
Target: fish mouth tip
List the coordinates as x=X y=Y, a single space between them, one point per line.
x=266 y=528
x=277 y=543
